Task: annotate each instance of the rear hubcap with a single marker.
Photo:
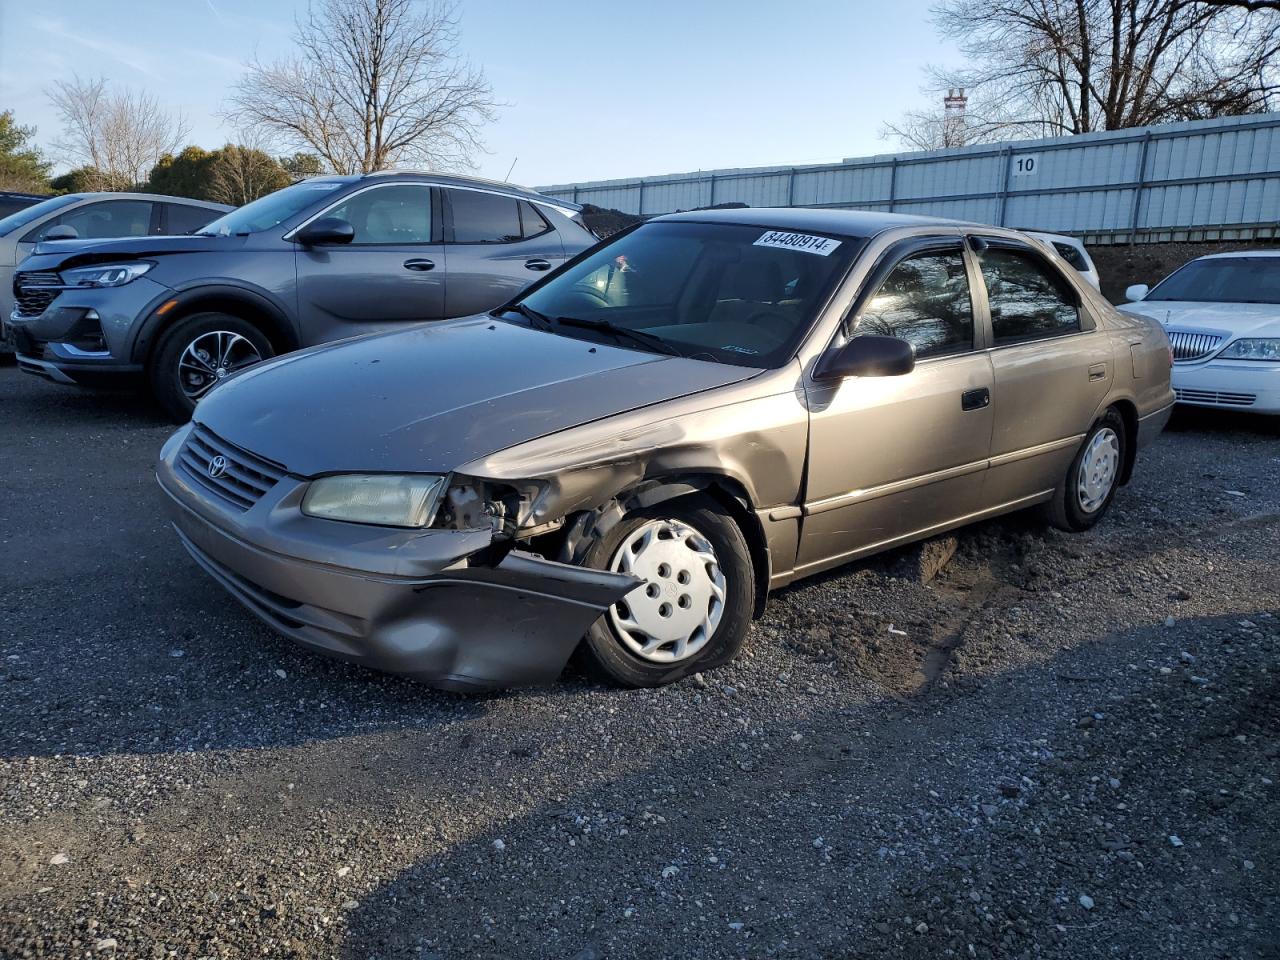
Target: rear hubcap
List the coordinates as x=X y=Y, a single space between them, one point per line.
x=210 y=358
x=674 y=613
x=1099 y=468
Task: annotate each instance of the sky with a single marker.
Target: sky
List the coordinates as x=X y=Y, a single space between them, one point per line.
x=591 y=90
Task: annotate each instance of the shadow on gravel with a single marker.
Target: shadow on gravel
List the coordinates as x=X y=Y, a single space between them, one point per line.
x=904 y=830
x=1224 y=422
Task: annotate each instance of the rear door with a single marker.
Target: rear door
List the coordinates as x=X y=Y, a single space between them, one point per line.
x=1052 y=368
x=498 y=245
x=894 y=456
x=392 y=272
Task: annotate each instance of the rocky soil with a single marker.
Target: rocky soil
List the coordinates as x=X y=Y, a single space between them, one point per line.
x=1060 y=746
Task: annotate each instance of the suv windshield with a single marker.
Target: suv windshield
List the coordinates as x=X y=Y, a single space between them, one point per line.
x=715 y=291
x=27 y=214
x=1223 y=280
x=273 y=209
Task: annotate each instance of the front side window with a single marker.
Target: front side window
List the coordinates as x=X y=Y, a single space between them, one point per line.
x=484 y=217
x=1223 y=280
x=716 y=291
x=106 y=220
x=925 y=301
x=184 y=218
x=1027 y=300
x=398 y=213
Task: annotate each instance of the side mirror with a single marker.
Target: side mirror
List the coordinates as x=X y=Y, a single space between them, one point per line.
x=1136 y=292
x=61 y=232
x=325 y=231
x=867 y=356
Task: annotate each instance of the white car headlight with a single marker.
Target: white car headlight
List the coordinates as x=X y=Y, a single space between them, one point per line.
x=106 y=275
x=1252 y=350
x=389 y=500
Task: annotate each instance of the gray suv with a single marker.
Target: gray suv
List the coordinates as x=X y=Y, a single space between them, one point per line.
x=324 y=259
x=92 y=216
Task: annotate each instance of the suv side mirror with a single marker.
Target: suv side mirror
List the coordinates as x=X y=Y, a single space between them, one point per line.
x=1136 y=292
x=867 y=356
x=325 y=231
x=62 y=231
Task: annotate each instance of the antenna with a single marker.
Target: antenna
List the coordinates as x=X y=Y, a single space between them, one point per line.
x=507 y=178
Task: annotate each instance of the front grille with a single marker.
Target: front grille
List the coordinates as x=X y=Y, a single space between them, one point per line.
x=245 y=477
x=32 y=293
x=1192 y=346
x=1215 y=397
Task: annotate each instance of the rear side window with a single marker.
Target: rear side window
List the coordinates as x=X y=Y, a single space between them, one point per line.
x=925 y=300
x=532 y=222
x=1028 y=301
x=105 y=220
x=484 y=217
x=186 y=219
x=396 y=213
x=1070 y=254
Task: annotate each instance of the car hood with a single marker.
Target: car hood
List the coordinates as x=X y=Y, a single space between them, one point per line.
x=1228 y=319
x=434 y=396
x=58 y=254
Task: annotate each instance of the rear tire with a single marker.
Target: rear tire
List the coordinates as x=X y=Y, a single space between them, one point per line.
x=699 y=588
x=1093 y=477
x=197 y=353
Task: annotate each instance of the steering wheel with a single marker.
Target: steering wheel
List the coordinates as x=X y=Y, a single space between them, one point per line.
x=589 y=291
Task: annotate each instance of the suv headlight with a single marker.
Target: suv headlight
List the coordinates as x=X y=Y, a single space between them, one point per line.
x=105 y=275
x=389 y=500
x=1252 y=350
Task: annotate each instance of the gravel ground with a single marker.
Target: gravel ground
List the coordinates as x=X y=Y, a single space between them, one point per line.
x=1063 y=746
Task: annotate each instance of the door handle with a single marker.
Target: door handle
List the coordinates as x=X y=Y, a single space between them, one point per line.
x=1098 y=372
x=975 y=399
x=420 y=264
x=537 y=263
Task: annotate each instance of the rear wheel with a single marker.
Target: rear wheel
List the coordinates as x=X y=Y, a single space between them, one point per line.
x=1093 y=477
x=694 y=606
x=197 y=354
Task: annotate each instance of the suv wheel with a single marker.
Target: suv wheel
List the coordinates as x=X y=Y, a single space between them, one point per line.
x=1093 y=477
x=694 y=607
x=197 y=354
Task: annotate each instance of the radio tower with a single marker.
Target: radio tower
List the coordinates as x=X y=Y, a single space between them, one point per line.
x=953 y=122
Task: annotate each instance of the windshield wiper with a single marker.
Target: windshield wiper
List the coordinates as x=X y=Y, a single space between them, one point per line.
x=539 y=320
x=656 y=344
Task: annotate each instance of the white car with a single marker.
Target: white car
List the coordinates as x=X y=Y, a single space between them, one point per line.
x=1222 y=316
x=1072 y=250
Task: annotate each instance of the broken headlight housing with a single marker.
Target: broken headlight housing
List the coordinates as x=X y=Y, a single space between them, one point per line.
x=388 y=500
x=505 y=508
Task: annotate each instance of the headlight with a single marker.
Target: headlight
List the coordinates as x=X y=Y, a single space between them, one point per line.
x=385 y=499
x=1252 y=350
x=106 y=275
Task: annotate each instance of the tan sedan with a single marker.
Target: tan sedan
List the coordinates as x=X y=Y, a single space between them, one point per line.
x=641 y=446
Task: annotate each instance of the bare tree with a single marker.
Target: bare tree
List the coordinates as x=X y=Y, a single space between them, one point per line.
x=375 y=83
x=240 y=174
x=118 y=134
x=1053 y=67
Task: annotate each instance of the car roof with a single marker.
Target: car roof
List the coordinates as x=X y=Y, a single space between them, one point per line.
x=856 y=223
x=457 y=180
x=190 y=201
x=1240 y=253
x=1056 y=237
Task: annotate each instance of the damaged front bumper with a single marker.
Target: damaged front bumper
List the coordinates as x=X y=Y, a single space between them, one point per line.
x=441 y=606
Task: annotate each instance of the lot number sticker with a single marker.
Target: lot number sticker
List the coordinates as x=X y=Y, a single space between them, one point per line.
x=822 y=246
x=1026 y=165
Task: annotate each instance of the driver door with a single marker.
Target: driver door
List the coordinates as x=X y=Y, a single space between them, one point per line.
x=893 y=457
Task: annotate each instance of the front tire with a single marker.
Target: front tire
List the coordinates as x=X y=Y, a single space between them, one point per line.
x=197 y=353
x=1093 y=477
x=694 y=607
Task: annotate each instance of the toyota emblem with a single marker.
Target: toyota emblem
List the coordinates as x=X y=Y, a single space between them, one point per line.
x=217 y=467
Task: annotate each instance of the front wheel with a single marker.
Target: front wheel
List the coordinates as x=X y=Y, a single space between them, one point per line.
x=694 y=606
x=197 y=354
x=1093 y=477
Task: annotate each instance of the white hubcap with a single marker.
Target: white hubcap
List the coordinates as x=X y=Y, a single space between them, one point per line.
x=1098 y=470
x=673 y=614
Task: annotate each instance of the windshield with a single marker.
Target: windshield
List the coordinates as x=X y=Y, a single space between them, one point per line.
x=34 y=212
x=273 y=209
x=724 y=292
x=1224 y=280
